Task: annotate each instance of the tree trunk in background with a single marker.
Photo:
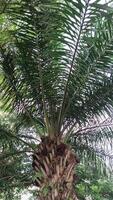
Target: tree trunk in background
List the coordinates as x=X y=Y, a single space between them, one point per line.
x=54 y=163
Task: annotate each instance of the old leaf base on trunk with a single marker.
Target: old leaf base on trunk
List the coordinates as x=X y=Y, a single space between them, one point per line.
x=54 y=164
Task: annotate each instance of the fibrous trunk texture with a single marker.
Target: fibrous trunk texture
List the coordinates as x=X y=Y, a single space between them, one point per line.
x=54 y=165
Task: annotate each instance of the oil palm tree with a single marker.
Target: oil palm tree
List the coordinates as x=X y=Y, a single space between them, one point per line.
x=56 y=69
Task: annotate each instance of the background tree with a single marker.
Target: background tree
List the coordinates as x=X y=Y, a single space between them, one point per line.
x=92 y=185
x=56 y=71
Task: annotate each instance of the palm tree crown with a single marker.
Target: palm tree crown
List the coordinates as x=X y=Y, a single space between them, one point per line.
x=58 y=64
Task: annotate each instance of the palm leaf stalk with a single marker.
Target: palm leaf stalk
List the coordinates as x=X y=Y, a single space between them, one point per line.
x=56 y=68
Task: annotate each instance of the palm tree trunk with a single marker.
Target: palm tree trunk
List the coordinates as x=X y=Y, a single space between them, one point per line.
x=54 y=164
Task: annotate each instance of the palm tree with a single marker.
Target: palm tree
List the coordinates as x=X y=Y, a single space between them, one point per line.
x=56 y=69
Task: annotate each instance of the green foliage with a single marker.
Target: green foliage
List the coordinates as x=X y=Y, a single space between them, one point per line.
x=56 y=77
x=15 y=158
x=93 y=185
x=58 y=66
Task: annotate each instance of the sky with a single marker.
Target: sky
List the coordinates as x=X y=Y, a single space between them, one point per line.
x=25 y=196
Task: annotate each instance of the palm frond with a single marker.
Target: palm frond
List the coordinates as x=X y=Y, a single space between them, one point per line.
x=60 y=58
x=94 y=142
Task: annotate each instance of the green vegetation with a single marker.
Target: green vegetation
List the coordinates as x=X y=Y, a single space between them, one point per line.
x=56 y=84
x=91 y=184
